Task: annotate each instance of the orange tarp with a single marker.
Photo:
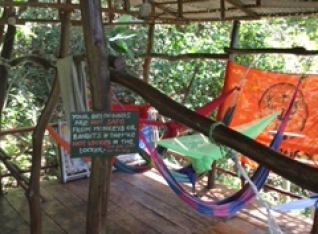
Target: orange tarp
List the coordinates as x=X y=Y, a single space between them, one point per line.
x=265 y=92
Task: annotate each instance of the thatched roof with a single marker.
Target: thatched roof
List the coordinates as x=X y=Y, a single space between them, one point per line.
x=180 y=11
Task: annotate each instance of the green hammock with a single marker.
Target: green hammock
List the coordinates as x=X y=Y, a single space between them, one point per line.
x=202 y=151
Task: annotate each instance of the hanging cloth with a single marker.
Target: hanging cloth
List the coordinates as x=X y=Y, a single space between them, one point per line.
x=72 y=81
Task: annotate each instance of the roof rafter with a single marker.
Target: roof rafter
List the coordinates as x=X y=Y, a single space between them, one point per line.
x=238 y=4
x=180 y=11
x=165 y=9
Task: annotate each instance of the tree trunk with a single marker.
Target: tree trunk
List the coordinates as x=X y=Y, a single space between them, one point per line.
x=38 y=134
x=97 y=59
x=8 y=42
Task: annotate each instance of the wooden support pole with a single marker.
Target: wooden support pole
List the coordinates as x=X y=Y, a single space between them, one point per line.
x=233 y=44
x=1 y=40
x=147 y=64
x=8 y=42
x=314 y=229
x=222 y=9
x=180 y=8
x=2 y=26
x=38 y=134
x=96 y=53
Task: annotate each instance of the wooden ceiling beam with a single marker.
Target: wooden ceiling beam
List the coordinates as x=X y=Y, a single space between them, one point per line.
x=79 y=22
x=170 y=12
x=184 y=2
x=63 y=6
x=282 y=4
x=239 y=5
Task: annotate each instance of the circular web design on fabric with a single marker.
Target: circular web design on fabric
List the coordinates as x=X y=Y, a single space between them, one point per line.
x=277 y=98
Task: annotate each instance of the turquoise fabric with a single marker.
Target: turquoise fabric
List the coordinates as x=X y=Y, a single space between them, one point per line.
x=202 y=151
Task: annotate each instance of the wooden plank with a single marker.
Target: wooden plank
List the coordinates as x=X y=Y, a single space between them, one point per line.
x=77 y=205
x=68 y=220
x=159 y=206
x=156 y=222
x=228 y=228
x=10 y=220
x=138 y=205
x=67 y=199
x=116 y=214
x=162 y=192
x=19 y=202
x=165 y=218
x=127 y=221
x=79 y=188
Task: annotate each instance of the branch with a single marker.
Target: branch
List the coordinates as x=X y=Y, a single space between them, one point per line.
x=22 y=181
x=185 y=57
x=295 y=50
x=34 y=196
x=46 y=64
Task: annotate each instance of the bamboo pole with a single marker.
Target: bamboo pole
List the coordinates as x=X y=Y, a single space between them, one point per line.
x=186 y=57
x=101 y=170
x=295 y=50
x=147 y=63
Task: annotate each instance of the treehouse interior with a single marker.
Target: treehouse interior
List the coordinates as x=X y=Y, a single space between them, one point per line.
x=119 y=202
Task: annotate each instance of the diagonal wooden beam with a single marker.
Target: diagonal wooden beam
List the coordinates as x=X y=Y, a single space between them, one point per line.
x=239 y=5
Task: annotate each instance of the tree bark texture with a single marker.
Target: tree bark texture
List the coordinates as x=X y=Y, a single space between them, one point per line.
x=8 y=42
x=34 y=196
x=96 y=53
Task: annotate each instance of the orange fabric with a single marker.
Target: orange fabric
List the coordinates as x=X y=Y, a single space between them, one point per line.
x=264 y=92
x=58 y=139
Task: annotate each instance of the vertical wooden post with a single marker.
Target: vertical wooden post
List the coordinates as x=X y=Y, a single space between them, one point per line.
x=96 y=51
x=233 y=44
x=8 y=42
x=38 y=133
x=147 y=64
x=314 y=229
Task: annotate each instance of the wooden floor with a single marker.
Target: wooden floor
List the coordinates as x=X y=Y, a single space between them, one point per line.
x=139 y=204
